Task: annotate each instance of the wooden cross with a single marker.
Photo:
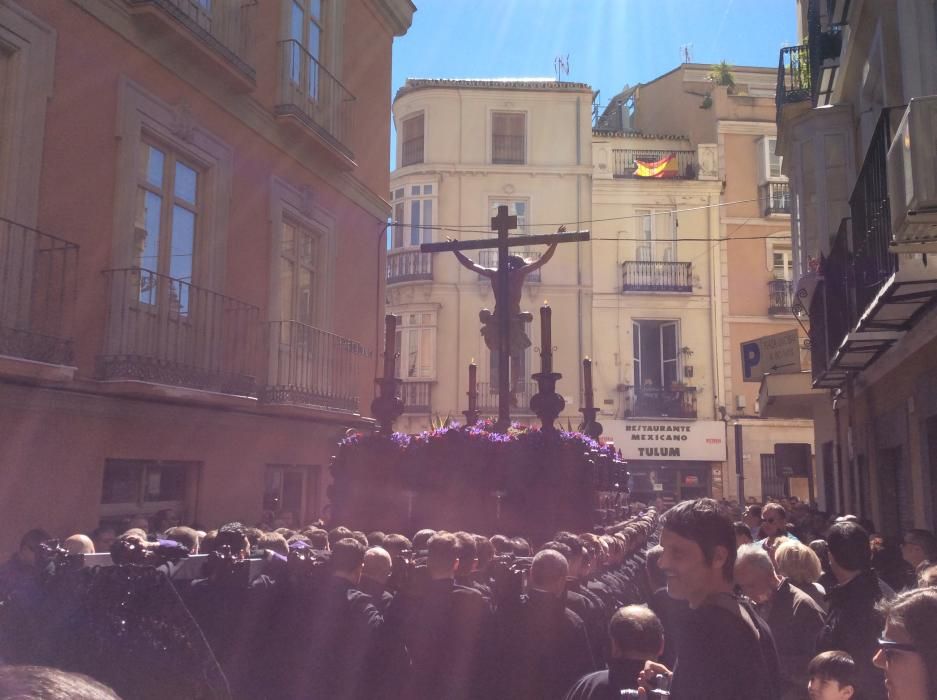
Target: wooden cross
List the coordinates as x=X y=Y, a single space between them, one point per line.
x=503 y=224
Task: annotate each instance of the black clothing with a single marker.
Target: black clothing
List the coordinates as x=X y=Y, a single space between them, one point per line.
x=853 y=626
x=543 y=648
x=447 y=631
x=622 y=674
x=380 y=596
x=726 y=652
x=670 y=612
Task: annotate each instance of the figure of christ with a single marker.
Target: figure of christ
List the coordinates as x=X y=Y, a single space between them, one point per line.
x=518 y=269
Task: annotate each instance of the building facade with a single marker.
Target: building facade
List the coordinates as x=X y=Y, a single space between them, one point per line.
x=854 y=119
x=189 y=192
x=464 y=148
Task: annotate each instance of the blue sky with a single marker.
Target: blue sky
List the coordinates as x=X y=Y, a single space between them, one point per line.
x=609 y=42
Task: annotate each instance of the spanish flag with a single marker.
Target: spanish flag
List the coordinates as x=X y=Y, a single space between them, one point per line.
x=663 y=168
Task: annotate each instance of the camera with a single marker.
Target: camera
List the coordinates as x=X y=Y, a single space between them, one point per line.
x=52 y=558
x=660 y=691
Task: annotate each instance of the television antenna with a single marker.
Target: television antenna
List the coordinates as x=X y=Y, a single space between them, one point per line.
x=561 y=66
x=686 y=53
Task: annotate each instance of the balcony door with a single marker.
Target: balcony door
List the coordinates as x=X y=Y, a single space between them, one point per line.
x=657 y=236
x=306 y=29
x=655 y=354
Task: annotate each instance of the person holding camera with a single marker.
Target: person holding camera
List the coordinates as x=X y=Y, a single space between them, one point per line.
x=725 y=651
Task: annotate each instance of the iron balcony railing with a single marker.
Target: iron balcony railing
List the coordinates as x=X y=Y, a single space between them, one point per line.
x=312 y=94
x=38 y=283
x=488 y=397
x=416 y=396
x=169 y=331
x=489 y=258
x=222 y=25
x=871 y=220
x=776 y=197
x=654 y=276
x=825 y=42
x=411 y=152
x=819 y=332
x=657 y=402
x=840 y=289
x=313 y=367
x=625 y=162
x=408 y=266
x=508 y=149
x=794 y=77
x=780 y=297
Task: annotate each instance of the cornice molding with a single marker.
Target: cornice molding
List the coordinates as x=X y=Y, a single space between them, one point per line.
x=397 y=14
x=726 y=126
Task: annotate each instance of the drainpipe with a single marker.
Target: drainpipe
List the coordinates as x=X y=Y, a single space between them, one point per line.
x=739 y=466
x=839 y=505
x=580 y=244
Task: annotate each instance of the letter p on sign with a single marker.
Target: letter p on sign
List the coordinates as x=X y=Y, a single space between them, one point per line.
x=751 y=356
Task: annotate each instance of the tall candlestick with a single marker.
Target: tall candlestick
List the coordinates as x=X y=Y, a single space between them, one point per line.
x=472 y=392
x=587 y=381
x=390 y=345
x=546 y=339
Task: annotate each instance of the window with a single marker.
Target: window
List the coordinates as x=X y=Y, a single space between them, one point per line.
x=145 y=486
x=769 y=163
x=773 y=485
x=416 y=345
x=782 y=264
x=289 y=488
x=655 y=354
x=516 y=207
x=167 y=218
x=305 y=32
x=413 y=215
x=508 y=138
x=656 y=235
x=298 y=257
x=412 y=143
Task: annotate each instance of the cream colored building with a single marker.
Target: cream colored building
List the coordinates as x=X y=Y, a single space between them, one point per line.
x=710 y=273
x=855 y=115
x=464 y=147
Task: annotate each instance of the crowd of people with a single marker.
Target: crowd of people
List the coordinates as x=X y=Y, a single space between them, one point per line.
x=702 y=601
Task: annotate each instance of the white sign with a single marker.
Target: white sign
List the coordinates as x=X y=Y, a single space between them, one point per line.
x=666 y=440
x=773 y=354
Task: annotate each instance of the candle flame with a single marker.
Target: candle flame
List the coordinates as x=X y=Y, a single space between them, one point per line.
x=546 y=303
x=587 y=359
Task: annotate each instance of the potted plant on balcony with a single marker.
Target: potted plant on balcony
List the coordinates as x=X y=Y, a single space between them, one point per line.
x=721 y=74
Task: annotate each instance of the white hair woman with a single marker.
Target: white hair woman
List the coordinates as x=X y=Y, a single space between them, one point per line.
x=801 y=565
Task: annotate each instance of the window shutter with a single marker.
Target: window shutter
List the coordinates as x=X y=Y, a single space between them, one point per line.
x=762 y=159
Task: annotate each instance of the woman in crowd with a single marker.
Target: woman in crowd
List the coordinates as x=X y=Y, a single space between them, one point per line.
x=908 y=647
x=797 y=562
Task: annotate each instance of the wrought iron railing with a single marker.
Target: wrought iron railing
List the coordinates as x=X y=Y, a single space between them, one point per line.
x=411 y=152
x=657 y=402
x=825 y=43
x=38 y=283
x=871 y=221
x=654 y=276
x=776 y=198
x=416 y=396
x=488 y=397
x=780 y=297
x=165 y=330
x=625 y=162
x=222 y=25
x=312 y=94
x=489 y=258
x=839 y=283
x=819 y=332
x=408 y=266
x=508 y=149
x=313 y=367
x=794 y=77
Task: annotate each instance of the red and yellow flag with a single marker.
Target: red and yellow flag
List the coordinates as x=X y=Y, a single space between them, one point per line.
x=665 y=167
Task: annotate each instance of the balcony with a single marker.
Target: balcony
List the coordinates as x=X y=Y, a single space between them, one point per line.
x=219 y=30
x=776 y=197
x=488 y=398
x=780 y=297
x=37 y=291
x=794 y=79
x=626 y=164
x=409 y=266
x=489 y=258
x=316 y=99
x=653 y=276
x=416 y=396
x=312 y=367
x=655 y=402
x=168 y=331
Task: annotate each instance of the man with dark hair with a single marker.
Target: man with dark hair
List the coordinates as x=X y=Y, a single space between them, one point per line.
x=103 y=537
x=919 y=549
x=23 y=566
x=725 y=650
x=542 y=645
x=635 y=636
x=318 y=539
x=421 y=539
x=852 y=624
x=446 y=628
x=338 y=533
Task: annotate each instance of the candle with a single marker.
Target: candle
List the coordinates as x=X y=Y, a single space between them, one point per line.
x=587 y=381
x=546 y=339
x=472 y=393
x=390 y=345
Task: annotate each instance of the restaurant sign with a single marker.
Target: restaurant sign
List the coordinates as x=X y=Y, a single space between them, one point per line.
x=696 y=441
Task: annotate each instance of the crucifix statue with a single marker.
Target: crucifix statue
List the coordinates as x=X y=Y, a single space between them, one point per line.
x=503 y=330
